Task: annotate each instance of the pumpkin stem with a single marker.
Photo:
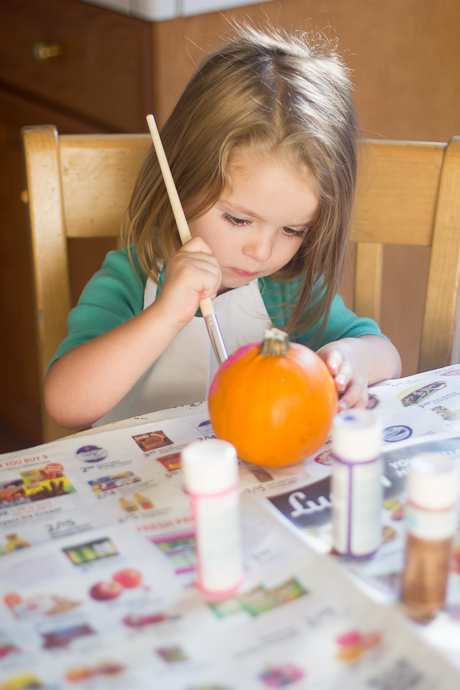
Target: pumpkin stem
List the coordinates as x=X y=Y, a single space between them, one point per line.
x=275 y=343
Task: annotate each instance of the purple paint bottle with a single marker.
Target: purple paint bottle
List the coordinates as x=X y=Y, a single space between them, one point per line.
x=357 y=491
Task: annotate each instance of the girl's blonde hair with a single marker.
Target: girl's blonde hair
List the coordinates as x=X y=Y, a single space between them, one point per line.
x=279 y=94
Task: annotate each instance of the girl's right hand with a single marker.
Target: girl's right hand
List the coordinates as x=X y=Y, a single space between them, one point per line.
x=89 y=380
x=191 y=275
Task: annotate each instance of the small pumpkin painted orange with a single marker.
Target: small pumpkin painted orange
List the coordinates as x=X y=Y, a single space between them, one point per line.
x=274 y=401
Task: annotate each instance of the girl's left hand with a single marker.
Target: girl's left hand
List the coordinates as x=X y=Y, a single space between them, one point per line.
x=348 y=364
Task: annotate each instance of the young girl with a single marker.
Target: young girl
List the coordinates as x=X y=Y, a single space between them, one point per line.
x=262 y=147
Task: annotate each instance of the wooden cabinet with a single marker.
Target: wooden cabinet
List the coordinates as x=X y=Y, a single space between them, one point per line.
x=105 y=71
x=99 y=80
x=82 y=59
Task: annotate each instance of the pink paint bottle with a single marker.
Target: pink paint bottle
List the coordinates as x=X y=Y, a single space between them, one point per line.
x=211 y=478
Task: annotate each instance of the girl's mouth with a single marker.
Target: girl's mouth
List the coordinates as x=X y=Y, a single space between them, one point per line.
x=246 y=274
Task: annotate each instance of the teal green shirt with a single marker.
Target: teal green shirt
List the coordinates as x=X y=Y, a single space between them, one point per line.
x=115 y=294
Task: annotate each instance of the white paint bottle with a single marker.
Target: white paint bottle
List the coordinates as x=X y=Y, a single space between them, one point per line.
x=211 y=478
x=431 y=516
x=356 y=488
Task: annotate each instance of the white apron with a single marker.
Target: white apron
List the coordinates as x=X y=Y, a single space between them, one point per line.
x=183 y=373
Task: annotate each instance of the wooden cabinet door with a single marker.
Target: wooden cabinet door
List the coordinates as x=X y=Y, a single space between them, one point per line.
x=101 y=69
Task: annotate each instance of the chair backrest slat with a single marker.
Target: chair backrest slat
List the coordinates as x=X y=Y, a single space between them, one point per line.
x=49 y=246
x=97 y=173
x=368 y=279
x=397 y=192
x=440 y=341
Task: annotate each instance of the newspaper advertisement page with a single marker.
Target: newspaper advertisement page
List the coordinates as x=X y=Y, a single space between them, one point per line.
x=97 y=564
x=126 y=475
x=113 y=606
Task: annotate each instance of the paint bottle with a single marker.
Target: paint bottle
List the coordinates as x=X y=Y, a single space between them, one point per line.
x=211 y=478
x=432 y=493
x=357 y=492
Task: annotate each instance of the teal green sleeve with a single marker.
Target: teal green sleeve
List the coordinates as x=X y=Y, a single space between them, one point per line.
x=279 y=299
x=112 y=296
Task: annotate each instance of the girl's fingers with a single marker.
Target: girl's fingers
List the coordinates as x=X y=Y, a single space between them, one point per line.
x=198 y=263
x=190 y=277
x=349 y=372
x=355 y=396
x=196 y=245
x=334 y=361
x=343 y=376
x=202 y=259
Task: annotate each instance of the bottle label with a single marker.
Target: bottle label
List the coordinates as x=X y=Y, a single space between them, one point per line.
x=430 y=524
x=357 y=506
x=218 y=541
x=426 y=571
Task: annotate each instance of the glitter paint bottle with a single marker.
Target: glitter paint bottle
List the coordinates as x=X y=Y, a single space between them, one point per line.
x=357 y=492
x=431 y=518
x=211 y=478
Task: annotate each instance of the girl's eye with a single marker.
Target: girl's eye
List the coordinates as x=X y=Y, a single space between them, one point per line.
x=295 y=233
x=236 y=221
x=241 y=222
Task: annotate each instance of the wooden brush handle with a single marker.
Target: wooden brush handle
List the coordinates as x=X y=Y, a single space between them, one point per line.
x=181 y=221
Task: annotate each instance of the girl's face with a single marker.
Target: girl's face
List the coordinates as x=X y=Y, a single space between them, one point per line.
x=260 y=220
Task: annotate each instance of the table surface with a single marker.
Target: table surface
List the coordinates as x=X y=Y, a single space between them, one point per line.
x=97 y=566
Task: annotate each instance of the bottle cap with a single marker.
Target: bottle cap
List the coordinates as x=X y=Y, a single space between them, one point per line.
x=356 y=435
x=209 y=466
x=433 y=481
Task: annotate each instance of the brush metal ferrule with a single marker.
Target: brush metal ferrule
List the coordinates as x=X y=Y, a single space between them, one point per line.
x=216 y=338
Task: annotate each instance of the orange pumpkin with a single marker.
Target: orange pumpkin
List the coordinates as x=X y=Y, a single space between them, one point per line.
x=273 y=401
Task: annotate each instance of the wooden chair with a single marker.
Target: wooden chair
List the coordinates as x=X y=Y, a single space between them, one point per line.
x=409 y=194
x=79 y=186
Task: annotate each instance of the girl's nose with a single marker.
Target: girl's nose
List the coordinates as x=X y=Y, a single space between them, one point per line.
x=259 y=247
